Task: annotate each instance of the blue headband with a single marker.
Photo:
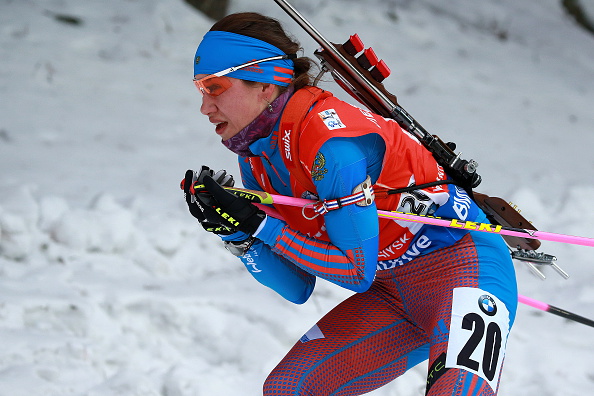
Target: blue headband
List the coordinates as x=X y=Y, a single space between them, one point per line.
x=220 y=50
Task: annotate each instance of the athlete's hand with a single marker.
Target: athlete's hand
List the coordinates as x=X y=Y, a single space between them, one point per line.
x=233 y=212
x=205 y=214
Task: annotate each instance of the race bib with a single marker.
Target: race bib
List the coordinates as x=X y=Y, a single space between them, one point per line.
x=478 y=334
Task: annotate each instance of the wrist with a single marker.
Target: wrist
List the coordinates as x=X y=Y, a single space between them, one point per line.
x=238 y=236
x=260 y=227
x=239 y=248
x=270 y=230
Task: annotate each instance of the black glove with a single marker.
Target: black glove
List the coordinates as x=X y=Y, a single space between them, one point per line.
x=233 y=212
x=205 y=214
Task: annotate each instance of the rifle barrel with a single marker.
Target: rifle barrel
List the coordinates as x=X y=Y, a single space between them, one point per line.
x=328 y=46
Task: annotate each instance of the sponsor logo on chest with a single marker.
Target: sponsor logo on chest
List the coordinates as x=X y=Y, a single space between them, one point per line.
x=286 y=142
x=331 y=119
x=413 y=252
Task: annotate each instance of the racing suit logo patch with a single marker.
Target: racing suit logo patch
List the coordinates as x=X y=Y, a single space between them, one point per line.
x=312 y=334
x=331 y=119
x=319 y=169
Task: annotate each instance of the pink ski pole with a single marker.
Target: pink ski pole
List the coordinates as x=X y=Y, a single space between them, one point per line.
x=554 y=310
x=262 y=197
x=266 y=198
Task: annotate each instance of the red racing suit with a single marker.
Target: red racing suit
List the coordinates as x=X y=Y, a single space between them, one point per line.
x=405 y=273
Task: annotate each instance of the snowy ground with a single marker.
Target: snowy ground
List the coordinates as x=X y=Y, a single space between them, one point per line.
x=107 y=285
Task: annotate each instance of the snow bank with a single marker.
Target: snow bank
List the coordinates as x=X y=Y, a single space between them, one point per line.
x=110 y=287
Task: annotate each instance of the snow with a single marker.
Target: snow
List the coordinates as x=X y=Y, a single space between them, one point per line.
x=110 y=287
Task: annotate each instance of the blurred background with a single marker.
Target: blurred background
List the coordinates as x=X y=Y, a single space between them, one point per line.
x=108 y=285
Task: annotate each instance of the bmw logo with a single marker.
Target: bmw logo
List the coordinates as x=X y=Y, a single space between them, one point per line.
x=487 y=305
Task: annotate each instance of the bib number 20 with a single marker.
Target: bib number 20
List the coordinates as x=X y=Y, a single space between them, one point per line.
x=478 y=333
x=492 y=338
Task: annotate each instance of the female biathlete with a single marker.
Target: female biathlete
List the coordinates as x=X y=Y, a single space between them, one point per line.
x=422 y=292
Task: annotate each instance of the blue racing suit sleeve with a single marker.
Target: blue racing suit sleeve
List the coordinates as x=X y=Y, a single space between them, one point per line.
x=278 y=273
x=350 y=259
x=271 y=270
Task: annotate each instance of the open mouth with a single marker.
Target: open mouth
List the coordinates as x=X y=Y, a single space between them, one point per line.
x=220 y=127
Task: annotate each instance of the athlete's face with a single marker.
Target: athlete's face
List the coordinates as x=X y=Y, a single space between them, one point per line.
x=237 y=106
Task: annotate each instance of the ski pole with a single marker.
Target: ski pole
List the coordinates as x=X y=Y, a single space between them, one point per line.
x=261 y=197
x=266 y=198
x=292 y=201
x=554 y=310
x=284 y=200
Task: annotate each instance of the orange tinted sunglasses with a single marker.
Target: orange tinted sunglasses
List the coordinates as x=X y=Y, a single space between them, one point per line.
x=215 y=84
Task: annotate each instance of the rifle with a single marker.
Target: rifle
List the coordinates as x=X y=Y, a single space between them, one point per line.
x=360 y=73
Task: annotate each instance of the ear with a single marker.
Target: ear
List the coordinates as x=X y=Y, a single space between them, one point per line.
x=270 y=91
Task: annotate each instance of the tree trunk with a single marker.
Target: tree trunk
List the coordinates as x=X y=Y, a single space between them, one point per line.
x=215 y=9
x=576 y=9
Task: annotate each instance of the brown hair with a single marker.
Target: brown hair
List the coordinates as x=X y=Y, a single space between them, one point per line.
x=268 y=29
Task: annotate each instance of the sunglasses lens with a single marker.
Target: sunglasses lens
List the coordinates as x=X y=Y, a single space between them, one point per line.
x=213 y=85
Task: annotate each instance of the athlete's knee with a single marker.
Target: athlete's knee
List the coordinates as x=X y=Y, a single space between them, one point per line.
x=284 y=381
x=280 y=382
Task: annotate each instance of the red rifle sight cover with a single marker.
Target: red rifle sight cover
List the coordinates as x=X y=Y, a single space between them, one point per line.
x=380 y=72
x=353 y=45
x=383 y=68
x=371 y=56
x=368 y=58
